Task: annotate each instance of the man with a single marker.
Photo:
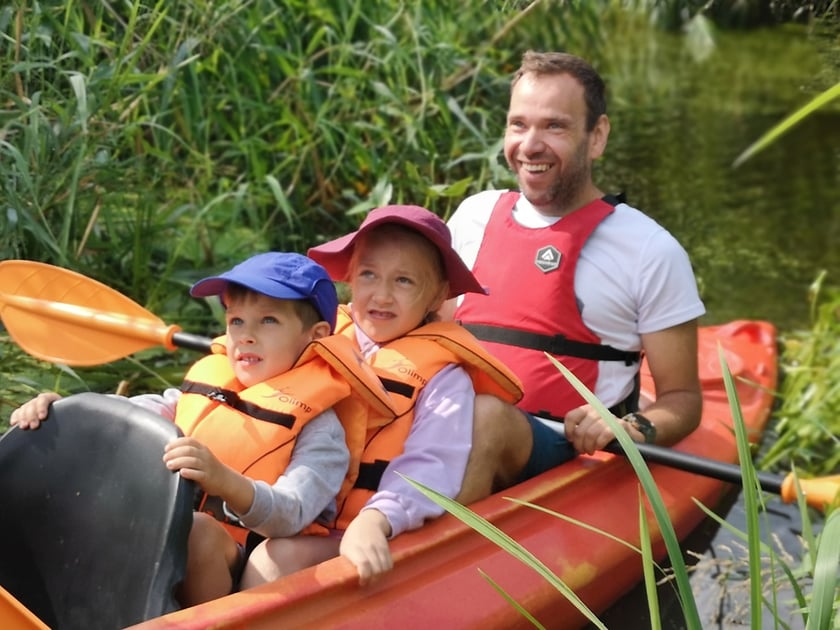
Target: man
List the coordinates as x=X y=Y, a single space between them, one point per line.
x=579 y=274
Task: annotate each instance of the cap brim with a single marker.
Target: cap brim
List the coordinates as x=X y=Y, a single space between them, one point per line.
x=216 y=285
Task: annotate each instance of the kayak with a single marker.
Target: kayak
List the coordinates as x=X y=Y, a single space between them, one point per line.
x=437 y=576
x=437 y=581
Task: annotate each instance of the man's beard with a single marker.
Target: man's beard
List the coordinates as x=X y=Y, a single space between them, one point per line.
x=563 y=195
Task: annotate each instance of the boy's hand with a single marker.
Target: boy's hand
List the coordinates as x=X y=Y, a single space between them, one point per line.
x=365 y=544
x=195 y=461
x=30 y=414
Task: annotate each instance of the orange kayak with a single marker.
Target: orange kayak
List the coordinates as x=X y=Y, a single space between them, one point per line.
x=437 y=577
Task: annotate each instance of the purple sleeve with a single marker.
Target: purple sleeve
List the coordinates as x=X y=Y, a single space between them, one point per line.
x=436 y=452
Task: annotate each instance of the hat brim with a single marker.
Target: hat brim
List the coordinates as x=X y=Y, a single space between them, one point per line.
x=335 y=255
x=216 y=285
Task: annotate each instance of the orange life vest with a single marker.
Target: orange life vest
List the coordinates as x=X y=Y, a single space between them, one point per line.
x=405 y=366
x=253 y=429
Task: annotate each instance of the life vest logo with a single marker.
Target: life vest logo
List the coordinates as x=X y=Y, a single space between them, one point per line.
x=286 y=396
x=406 y=368
x=548 y=258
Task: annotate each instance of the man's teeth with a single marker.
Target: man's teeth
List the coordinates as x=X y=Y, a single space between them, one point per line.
x=535 y=168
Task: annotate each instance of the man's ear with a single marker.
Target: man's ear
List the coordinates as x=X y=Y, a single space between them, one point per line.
x=598 y=137
x=320 y=330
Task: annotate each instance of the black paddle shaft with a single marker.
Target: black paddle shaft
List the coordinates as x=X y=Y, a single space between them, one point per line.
x=188 y=341
x=698 y=465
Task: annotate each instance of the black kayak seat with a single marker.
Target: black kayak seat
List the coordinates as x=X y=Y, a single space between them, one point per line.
x=93 y=526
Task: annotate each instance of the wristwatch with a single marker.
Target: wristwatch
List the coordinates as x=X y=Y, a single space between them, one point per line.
x=642 y=425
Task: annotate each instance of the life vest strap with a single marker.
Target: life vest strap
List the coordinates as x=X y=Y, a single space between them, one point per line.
x=370 y=474
x=393 y=386
x=232 y=399
x=556 y=344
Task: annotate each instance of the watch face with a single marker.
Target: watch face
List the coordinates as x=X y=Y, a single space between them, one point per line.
x=643 y=426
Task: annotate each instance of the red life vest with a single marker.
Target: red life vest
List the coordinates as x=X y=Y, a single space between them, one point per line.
x=254 y=429
x=532 y=308
x=405 y=366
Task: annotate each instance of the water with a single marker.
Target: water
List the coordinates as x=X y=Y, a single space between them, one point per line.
x=757 y=235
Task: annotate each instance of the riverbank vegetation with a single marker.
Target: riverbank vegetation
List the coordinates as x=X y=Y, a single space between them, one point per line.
x=149 y=144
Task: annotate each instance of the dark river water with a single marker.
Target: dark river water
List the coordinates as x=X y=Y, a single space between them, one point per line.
x=758 y=235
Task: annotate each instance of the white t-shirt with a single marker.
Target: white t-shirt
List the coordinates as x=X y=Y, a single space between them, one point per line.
x=633 y=277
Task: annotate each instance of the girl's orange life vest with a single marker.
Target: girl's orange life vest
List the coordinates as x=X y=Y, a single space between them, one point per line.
x=253 y=429
x=405 y=366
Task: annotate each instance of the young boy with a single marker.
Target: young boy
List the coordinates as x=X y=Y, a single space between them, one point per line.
x=261 y=439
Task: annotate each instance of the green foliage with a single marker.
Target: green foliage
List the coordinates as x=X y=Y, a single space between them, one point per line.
x=807 y=431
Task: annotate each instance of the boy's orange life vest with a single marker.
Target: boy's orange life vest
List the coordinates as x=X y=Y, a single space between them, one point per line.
x=405 y=366
x=253 y=429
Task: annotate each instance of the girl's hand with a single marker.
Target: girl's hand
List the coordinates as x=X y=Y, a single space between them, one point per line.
x=365 y=544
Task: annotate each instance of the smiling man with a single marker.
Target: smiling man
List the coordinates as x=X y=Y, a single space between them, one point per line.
x=576 y=273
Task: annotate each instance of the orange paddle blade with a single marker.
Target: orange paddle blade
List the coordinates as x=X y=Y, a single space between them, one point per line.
x=64 y=317
x=819 y=492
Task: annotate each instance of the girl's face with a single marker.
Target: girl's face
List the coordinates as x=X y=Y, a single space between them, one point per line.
x=396 y=280
x=265 y=337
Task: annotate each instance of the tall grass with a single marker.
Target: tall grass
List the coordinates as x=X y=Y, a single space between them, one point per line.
x=142 y=139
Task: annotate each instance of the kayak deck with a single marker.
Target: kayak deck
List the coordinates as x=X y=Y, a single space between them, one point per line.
x=437 y=578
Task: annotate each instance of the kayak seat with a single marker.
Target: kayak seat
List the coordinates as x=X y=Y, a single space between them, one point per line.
x=93 y=527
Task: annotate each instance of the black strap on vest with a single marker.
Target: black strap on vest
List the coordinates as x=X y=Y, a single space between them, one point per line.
x=397 y=387
x=370 y=474
x=556 y=344
x=232 y=399
x=615 y=199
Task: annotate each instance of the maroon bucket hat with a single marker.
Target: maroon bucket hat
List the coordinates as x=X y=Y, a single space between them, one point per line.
x=335 y=255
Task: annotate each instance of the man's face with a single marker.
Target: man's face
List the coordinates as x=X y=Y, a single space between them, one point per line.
x=547 y=145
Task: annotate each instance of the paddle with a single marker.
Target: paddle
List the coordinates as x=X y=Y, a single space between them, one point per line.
x=819 y=492
x=45 y=309
x=61 y=316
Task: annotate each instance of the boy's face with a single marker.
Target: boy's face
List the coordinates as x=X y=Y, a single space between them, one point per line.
x=394 y=284
x=264 y=337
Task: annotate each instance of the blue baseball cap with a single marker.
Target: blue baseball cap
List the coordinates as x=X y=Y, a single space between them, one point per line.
x=281 y=275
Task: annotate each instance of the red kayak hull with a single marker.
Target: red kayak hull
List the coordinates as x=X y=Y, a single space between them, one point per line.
x=437 y=579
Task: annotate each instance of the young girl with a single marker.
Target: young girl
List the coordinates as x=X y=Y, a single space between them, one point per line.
x=401 y=268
